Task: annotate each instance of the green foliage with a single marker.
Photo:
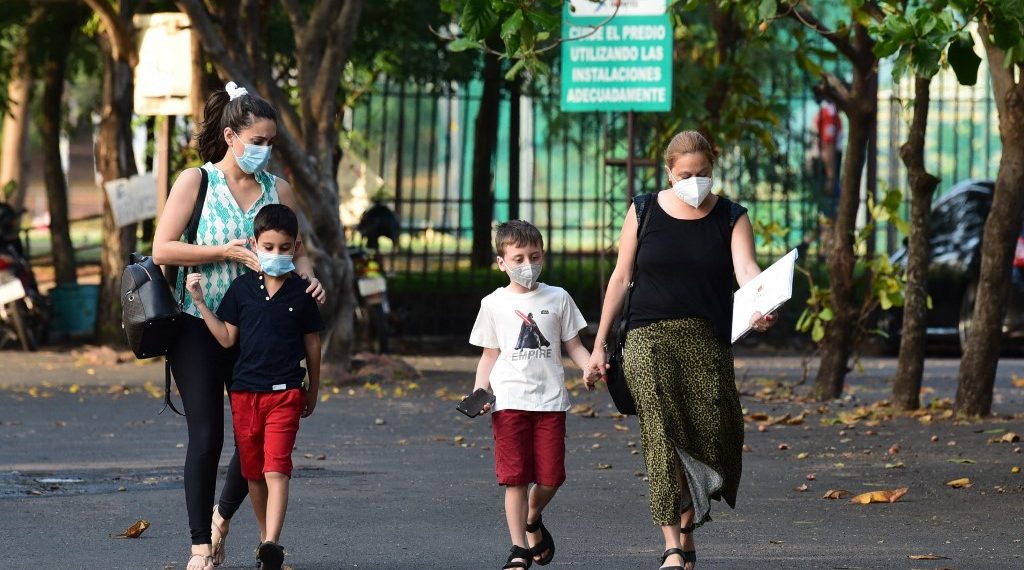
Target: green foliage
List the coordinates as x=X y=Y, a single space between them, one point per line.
x=518 y=30
x=770 y=233
x=919 y=36
x=878 y=282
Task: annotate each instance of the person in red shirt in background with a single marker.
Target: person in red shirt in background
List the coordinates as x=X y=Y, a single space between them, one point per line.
x=829 y=128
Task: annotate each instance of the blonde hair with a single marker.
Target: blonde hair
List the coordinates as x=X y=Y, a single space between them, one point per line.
x=688 y=142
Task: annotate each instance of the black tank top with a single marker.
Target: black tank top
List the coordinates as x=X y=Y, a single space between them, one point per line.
x=684 y=268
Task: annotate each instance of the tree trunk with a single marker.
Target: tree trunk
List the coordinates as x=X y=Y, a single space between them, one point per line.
x=485 y=143
x=14 y=146
x=114 y=159
x=906 y=386
x=859 y=106
x=61 y=28
x=981 y=355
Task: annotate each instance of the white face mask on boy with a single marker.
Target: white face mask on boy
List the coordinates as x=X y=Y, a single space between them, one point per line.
x=526 y=274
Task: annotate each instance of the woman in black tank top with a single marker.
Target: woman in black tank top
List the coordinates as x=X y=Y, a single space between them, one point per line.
x=678 y=361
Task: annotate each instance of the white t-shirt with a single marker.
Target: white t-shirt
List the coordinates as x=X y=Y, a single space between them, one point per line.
x=529 y=329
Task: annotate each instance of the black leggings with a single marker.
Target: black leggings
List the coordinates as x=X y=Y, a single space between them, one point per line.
x=202 y=368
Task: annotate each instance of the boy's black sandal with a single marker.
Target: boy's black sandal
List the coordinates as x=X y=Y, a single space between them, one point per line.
x=546 y=544
x=519 y=552
x=270 y=556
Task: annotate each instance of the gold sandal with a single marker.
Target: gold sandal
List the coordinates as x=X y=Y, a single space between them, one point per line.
x=218 y=551
x=207 y=562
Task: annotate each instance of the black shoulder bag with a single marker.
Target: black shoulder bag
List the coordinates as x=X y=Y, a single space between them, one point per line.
x=150 y=316
x=617 y=386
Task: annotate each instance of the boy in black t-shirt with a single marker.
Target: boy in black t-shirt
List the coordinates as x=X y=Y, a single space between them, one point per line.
x=276 y=324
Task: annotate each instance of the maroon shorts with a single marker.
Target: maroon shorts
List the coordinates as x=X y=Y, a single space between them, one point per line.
x=265 y=427
x=529 y=447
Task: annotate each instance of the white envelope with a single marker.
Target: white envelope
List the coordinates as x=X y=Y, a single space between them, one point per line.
x=764 y=293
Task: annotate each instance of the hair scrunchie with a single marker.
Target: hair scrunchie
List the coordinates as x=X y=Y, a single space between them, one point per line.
x=234 y=91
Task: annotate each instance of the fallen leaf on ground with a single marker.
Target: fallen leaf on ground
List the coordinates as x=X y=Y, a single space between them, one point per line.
x=1015 y=470
x=621 y=427
x=962 y=461
x=1009 y=437
x=894 y=449
x=802 y=488
x=880 y=496
x=897 y=465
x=836 y=494
x=582 y=410
x=928 y=556
x=1017 y=382
x=133 y=531
x=604 y=466
x=758 y=417
x=803 y=455
x=959 y=483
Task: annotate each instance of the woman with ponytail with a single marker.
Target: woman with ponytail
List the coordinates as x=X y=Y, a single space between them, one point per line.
x=235 y=141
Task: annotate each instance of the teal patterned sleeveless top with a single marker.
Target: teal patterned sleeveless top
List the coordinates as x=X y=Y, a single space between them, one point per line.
x=223 y=220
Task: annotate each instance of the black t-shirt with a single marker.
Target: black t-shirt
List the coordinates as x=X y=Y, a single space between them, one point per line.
x=684 y=268
x=271 y=332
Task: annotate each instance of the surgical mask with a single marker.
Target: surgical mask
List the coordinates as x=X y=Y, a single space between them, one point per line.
x=526 y=274
x=275 y=265
x=693 y=190
x=255 y=158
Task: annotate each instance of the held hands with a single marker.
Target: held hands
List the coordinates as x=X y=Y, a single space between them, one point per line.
x=194 y=284
x=762 y=323
x=597 y=367
x=236 y=251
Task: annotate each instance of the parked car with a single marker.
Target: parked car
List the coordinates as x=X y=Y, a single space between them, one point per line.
x=957 y=225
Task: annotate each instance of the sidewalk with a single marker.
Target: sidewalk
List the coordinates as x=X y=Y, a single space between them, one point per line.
x=389 y=476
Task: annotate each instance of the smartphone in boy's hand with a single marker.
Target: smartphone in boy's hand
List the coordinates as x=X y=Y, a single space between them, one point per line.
x=473 y=405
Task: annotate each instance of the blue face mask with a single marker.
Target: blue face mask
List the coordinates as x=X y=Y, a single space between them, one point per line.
x=275 y=265
x=255 y=157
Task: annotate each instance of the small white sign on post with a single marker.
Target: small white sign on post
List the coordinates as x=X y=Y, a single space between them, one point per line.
x=163 y=76
x=132 y=199
x=605 y=8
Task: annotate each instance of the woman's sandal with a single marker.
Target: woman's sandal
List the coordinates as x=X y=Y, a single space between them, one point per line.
x=521 y=553
x=546 y=544
x=670 y=552
x=219 y=552
x=689 y=556
x=207 y=562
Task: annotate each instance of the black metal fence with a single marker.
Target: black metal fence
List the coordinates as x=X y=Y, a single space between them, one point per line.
x=564 y=172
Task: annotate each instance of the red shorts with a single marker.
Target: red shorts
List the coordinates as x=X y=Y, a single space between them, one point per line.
x=529 y=447
x=265 y=427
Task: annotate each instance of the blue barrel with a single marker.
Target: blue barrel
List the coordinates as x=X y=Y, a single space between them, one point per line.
x=74 y=309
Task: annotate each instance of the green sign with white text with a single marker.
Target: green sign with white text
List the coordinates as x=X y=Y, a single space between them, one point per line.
x=624 y=65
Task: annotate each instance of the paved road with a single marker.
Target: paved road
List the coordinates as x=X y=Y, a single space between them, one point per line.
x=405 y=482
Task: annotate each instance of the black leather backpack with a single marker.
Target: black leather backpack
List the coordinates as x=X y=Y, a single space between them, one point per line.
x=150 y=315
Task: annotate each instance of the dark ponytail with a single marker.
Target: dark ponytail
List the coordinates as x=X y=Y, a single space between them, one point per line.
x=222 y=112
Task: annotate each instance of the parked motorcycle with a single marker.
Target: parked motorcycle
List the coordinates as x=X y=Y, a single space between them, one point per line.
x=24 y=310
x=374 y=310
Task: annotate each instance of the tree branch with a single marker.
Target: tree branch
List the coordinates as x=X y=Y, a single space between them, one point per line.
x=122 y=40
x=808 y=19
x=229 y=66
x=298 y=18
x=339 y=45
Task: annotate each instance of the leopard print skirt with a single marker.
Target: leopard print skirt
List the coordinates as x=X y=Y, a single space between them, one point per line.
x=681 y=377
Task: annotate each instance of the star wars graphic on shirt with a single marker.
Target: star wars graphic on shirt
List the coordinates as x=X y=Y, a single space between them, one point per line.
x=528 y=329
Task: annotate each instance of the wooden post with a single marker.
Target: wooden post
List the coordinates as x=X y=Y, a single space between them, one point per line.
x=162 y=160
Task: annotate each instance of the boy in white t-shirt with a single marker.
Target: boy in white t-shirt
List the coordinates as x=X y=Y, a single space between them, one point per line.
x=522 y=328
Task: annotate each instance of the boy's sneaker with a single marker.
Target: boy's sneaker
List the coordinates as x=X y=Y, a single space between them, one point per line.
x=270 y=556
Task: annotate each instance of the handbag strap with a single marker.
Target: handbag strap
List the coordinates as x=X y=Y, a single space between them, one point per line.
x=190 y=236
x=640 y=202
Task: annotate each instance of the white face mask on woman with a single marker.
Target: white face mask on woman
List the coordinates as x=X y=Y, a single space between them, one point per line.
x=693 y=190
